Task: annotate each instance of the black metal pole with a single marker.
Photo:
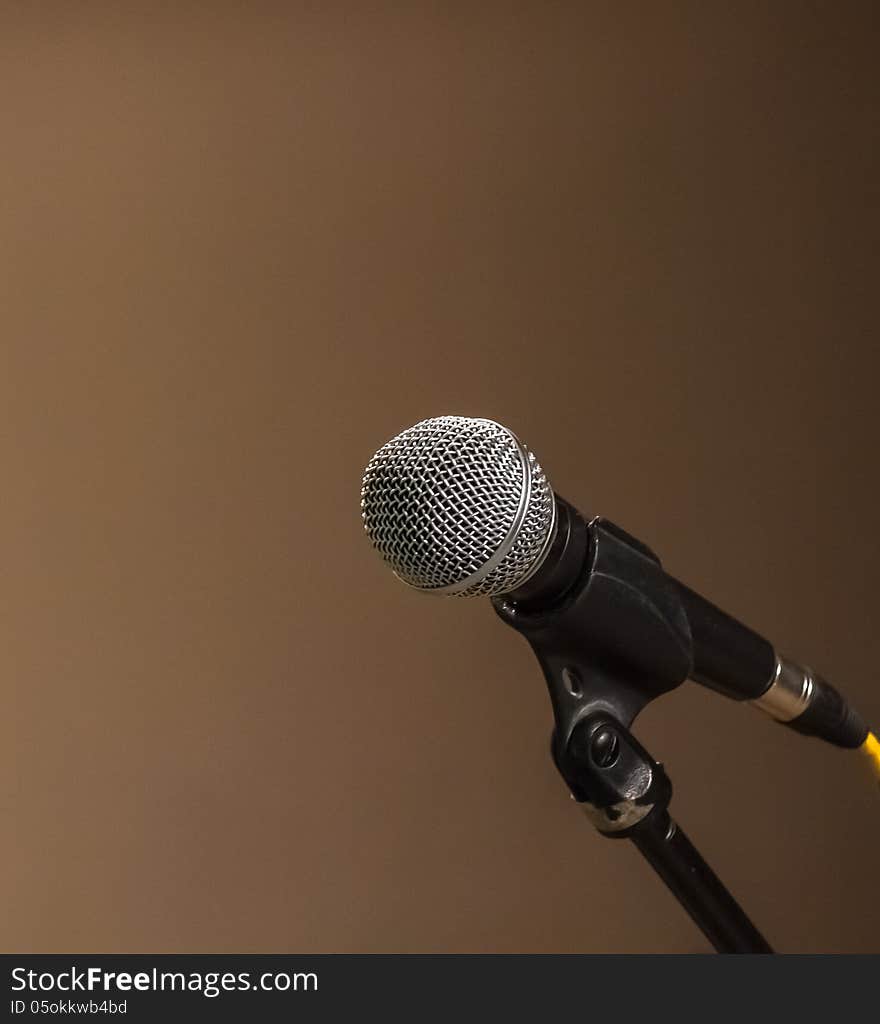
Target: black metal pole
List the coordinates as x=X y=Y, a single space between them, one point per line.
x=696 y=886
x=626 y=795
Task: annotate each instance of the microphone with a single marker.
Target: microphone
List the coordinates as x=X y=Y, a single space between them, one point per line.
x=459 y=506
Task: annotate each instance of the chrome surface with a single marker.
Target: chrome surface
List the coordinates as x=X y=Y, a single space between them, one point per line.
x=458 y=506
x=622 y=815
x=790 y=692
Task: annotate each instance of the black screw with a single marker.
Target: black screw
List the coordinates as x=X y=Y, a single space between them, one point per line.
x=605 y=747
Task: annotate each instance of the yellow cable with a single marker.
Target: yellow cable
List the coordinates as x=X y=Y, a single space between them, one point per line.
x=871 y=747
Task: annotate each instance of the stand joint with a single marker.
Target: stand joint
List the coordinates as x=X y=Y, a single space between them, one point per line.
x=616 y=781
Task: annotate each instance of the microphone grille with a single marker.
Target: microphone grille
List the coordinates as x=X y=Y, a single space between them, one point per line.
x=458 y=505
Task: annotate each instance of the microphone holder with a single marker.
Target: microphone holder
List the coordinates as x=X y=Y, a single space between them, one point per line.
x=629 y=795
x=614 y=637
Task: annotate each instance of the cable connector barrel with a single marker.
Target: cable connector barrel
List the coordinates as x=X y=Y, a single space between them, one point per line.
x=804 y=701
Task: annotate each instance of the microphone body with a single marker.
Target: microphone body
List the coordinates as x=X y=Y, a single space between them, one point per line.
x=460 y=506
x=601 y=598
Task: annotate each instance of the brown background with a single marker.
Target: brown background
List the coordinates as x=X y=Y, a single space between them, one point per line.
x=242 y=246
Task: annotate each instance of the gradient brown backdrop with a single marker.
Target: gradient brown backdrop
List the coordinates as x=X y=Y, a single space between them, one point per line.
x=242 y=246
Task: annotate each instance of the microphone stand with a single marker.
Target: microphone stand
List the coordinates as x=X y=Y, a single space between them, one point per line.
x=630 y=795
x=610 y=632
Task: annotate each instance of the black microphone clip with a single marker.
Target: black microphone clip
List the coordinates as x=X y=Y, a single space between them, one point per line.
x=613 y=631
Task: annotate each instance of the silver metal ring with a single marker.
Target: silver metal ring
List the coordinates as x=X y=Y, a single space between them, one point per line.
x=790 y=691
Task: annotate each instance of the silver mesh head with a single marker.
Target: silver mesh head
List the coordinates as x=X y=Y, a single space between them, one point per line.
x=458 y=506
